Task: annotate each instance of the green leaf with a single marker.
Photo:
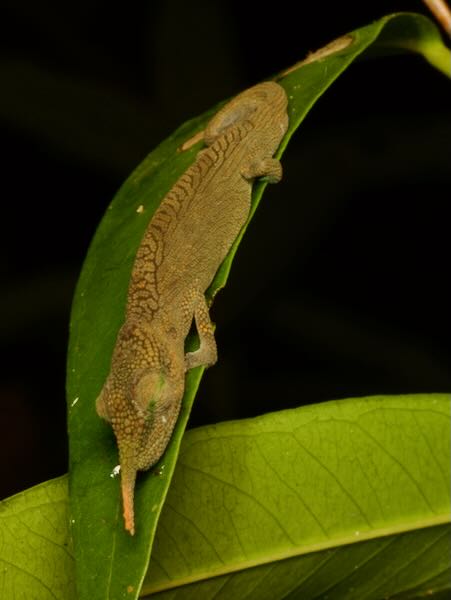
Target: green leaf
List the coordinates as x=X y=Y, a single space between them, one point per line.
x=109 y=561
x=341 y=500
x=347 y=499
x=36 y=560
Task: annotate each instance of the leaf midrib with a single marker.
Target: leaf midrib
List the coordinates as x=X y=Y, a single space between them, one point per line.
x=375 y=533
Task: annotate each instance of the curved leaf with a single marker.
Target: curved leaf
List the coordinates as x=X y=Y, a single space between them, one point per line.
x=341 y=500
x=35 y=554
x=108 y=559
x=272 y=507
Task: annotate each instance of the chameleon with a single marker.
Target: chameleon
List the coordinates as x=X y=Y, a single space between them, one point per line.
x=182 y=248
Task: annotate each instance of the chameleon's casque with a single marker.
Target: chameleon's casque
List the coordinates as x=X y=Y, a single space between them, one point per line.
x=184 y=244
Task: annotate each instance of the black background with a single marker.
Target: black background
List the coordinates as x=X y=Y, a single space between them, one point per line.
x=341 y=285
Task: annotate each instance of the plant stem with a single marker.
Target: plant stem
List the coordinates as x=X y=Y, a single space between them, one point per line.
x=442 y=12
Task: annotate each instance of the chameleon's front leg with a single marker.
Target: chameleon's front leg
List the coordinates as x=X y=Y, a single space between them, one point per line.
x=207 y=353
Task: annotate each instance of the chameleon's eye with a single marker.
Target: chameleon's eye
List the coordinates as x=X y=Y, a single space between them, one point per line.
x=151 y=406
x=149 y=390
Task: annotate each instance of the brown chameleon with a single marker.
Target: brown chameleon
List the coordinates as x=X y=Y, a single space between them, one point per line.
x=182 y=248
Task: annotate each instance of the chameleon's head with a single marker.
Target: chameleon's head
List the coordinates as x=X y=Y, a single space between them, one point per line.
x=141 y=399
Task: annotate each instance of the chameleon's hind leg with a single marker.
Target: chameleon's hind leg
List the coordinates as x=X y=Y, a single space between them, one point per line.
x=207 y=353
x=269 y=168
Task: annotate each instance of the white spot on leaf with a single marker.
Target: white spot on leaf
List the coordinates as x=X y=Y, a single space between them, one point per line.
x=115 y=472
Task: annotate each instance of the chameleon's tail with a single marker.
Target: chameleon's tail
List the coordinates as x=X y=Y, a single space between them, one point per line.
x=128 y=477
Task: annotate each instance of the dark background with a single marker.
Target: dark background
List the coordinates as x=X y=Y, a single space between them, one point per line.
x=341 y=286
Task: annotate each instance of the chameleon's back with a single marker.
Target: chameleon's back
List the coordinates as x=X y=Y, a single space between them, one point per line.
x=199 y=219
x=211 y=217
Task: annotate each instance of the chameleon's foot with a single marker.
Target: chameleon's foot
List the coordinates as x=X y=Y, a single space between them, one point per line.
x=268 y=168
x=206 y=356
x=207 y=353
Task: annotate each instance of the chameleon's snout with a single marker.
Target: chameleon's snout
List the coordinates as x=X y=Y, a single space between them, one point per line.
x=128 y=478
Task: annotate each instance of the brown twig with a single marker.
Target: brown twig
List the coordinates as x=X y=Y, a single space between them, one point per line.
x=442 y=12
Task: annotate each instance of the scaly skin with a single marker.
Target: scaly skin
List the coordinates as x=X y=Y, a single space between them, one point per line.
x=182 y=248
